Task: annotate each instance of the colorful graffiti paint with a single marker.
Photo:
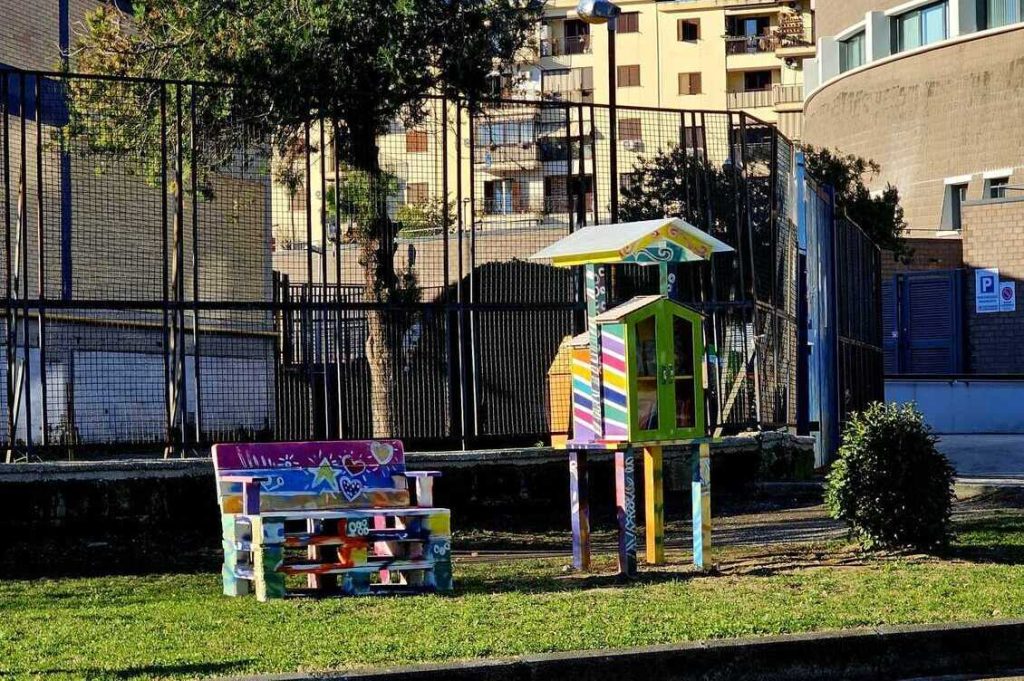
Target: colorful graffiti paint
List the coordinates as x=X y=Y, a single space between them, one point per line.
x=338 y=513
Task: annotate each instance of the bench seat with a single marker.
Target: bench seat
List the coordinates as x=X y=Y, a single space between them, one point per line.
x=315 y=510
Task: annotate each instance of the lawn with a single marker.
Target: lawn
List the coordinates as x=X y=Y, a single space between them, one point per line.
x=178 y=626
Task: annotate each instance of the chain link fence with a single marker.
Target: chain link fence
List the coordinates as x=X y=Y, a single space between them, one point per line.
x=172 y=278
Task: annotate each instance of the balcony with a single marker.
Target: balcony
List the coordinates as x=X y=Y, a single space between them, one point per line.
x=558 y=47
x=788 y=94
x=750 y=99
x=507 y=157
x=580 y=96
x=777 y=95
x=761 y=44
x=794 y=39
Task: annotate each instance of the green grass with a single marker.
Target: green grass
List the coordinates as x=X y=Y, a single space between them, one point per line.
x=178 y=626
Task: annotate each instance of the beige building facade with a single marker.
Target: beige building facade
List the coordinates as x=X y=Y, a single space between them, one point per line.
x=933 y=92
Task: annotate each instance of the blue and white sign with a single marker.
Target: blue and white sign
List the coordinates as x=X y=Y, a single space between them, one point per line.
x=986 y=291
x=1007 y=296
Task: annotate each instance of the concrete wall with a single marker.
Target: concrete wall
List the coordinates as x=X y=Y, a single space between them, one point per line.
x=964 y=405
x=133 y=508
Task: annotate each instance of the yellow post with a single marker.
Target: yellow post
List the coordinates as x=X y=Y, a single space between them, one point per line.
x=654 y=505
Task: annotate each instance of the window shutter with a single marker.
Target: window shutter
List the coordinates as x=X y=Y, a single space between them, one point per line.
x=680 y=24
x=696 y=26
x=695 y=84
x=517 y=196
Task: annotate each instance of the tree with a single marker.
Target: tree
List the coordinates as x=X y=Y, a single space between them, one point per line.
x=358 y=64
x=881 y=216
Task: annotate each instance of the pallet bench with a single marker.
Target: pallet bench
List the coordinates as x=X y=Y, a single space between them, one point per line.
x=343 y=514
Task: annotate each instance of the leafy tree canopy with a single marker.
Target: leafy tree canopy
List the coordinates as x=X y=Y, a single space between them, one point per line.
x=363 y=62
x=881 y=216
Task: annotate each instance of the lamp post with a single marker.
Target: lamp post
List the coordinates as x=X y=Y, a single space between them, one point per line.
x=604 y=12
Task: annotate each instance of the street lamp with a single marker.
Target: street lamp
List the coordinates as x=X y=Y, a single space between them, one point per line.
x=604 y=12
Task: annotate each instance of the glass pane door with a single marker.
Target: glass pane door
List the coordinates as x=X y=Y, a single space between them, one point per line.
x=646 y=349
x=683 y=377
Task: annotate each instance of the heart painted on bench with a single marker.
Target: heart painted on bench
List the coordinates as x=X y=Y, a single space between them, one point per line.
x=351 y=488
x=383 y=452
x=353 y=466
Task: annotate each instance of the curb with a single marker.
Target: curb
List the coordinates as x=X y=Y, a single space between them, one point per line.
x=884 y=652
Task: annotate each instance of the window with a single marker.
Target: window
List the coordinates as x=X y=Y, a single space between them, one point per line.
x=556 y=193
x=851 y=52
x=995 y=187
x=628 y=22
x=628 y=76
x=690 y=84
x=748 y=27
x=416 y=141
x=505 y=133
x=956 y=194
x=556 y=196
x=757 y=80
x=577 y=37
x=919 y=27
x=568 y=84
x=996 y=13
x=501 y=197
x=693 y=138
x=629 y=129
x=629 y=181
x=688 y=30
x=417 y=192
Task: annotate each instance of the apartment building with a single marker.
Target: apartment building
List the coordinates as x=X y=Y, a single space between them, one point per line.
x=698 y=54
x=515 y=169
x=932 y=91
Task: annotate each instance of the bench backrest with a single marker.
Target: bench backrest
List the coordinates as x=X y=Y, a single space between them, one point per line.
x=314 y=476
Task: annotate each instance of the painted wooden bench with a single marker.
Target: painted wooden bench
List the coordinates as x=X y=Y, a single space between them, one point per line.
x=343 y=514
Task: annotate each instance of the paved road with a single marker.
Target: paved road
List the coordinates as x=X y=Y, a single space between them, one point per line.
x=985 y=456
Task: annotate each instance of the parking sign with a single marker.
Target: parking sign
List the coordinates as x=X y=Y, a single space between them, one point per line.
x=986 y=291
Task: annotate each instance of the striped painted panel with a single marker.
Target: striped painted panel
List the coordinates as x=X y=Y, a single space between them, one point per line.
x=583 y=429
x=616 y=383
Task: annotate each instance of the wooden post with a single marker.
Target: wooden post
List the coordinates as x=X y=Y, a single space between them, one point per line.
x=700 y=496
x=654 y=505
x=579 y=503
x=625 y=510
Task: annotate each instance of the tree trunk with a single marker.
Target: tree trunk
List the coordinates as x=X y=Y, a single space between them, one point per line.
x=376 y=255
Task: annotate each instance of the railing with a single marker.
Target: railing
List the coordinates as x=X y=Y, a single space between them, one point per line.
x=556 y=47
x=500 y=154
x=788 y=94
x=777 y=94
x=752 y=44
x=796 y=36
x=571 y=96
x=750 y=99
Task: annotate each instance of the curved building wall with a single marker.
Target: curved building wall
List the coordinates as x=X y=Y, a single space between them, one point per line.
x=946 y=111
x=834 y=16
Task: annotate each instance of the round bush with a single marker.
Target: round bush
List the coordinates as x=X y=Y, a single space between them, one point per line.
x=890 y=484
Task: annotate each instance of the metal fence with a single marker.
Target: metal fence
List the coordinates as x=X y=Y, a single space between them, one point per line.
x=172 y=279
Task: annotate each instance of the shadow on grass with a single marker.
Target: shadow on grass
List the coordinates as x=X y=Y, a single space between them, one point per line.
x=992 y=539
x=569 y=582
x=182 y=670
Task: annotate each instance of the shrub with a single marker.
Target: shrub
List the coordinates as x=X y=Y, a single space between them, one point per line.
x=890 y=484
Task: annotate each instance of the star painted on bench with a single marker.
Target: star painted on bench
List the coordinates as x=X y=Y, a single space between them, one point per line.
x=325 y=474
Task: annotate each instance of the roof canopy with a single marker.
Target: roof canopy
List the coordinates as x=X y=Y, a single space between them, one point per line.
x=650 y=242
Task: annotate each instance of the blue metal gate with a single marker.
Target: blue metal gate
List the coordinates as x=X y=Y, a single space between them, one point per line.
x=923 y=323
